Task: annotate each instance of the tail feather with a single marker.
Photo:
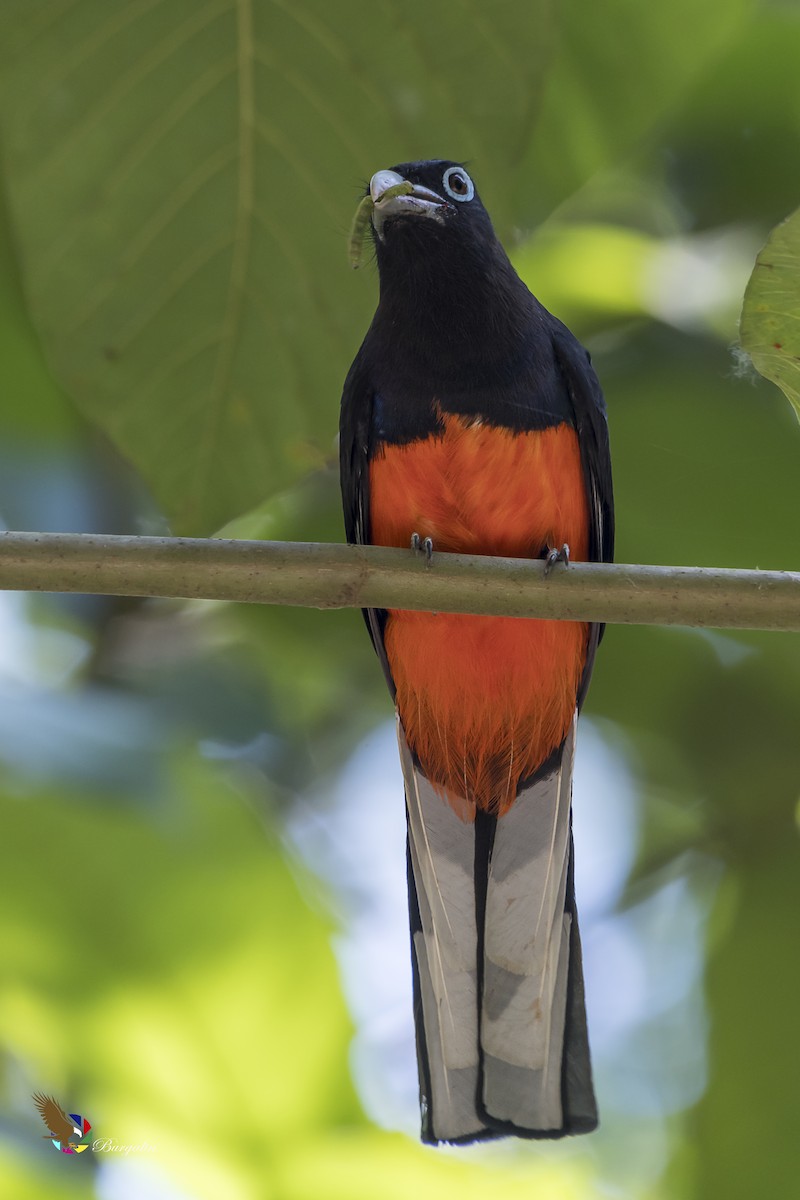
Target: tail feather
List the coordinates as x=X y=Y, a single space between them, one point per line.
x=526 y=951
x=580 y=1105
x=499 y=1005
x=441 y=858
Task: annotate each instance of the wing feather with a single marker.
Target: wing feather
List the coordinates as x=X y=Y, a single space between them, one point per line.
x=589 y=408
x=54 y=1117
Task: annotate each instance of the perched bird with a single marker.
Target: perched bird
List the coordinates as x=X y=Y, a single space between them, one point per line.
x=472 y=421
x=61 y=1126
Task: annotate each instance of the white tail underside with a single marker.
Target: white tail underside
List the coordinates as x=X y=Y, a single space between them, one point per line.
x=498 y=1057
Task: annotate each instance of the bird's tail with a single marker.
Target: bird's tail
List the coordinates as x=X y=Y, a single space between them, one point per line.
x=498 y=984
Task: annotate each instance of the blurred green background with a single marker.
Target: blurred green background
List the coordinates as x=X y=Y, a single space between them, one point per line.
x=203 y=941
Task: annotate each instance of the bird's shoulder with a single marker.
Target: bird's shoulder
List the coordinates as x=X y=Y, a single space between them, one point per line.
x=396 y=392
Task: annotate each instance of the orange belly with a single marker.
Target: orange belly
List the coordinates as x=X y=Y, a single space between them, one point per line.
x=483 y=700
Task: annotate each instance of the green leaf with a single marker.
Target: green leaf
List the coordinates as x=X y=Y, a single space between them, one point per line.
x=770 y=326
x=33 y=406
x=588 y=272
x=182 y=179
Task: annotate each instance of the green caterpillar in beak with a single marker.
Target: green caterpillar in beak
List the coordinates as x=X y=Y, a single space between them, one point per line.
x=355 y=244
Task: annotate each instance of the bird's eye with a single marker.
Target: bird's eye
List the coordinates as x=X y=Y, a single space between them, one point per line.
x=458 y=184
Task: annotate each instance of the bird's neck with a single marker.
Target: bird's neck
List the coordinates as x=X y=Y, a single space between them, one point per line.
x=451 y=315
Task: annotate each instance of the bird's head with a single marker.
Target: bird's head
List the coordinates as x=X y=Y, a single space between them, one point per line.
x=439 y=213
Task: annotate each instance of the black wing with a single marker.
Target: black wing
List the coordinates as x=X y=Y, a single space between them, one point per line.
x=354 y=435
x=354 y=453
x=589 y=408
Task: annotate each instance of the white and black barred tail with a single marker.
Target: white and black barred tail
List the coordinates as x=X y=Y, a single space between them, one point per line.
x=498 y=984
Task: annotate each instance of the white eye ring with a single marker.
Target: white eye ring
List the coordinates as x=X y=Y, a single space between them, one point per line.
x=464 y=177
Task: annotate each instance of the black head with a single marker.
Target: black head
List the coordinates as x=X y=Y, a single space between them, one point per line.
x=447 y=288
x=442 y=214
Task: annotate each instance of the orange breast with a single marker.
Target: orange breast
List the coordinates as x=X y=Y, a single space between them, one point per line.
x=483 y=700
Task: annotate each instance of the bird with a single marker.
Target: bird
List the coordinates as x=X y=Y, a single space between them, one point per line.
x=472 y=421
x=61 y=1127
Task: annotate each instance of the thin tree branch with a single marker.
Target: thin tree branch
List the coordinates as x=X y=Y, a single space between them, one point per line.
x=314 y=575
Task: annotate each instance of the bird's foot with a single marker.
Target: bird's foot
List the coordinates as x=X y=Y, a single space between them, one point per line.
x=554 y=556
x=419 y=544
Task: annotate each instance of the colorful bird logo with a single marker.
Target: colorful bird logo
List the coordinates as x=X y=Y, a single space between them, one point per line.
x=67 y=1131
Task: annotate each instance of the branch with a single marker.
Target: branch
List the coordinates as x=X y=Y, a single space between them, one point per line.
x=336 y=576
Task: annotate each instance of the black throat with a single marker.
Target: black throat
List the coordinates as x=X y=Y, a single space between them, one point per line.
x=456 y=330
x=453 y=304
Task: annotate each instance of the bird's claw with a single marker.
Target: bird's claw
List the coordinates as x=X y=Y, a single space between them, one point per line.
x=554 y=556
x=419 y=544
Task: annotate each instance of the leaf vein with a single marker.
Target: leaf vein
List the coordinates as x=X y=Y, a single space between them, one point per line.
x=320 y=104
x=243 y=224
x=181 y=358
x=127 y=82
x=205 y=253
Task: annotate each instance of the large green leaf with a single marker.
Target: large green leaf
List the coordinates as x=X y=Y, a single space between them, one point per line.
x=32 y=405
x=182 y=177
x=770 y=328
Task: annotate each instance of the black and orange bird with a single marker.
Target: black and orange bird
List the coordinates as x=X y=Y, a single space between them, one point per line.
x=473 y=418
